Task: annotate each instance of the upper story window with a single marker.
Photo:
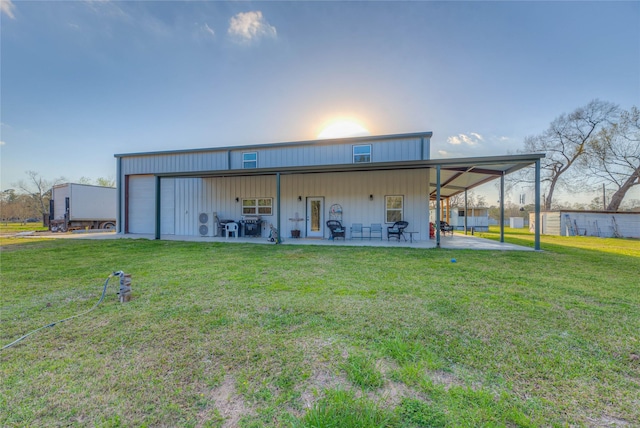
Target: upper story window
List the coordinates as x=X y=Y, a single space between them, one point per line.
x=250 y=160
x=362 y=154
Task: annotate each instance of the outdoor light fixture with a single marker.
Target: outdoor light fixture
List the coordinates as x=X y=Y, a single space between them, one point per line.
x=237 y=199
x=299 y=198
x=371 y=197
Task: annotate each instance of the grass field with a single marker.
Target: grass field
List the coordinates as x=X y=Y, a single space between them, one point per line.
x=254 y=335
x=12 y=228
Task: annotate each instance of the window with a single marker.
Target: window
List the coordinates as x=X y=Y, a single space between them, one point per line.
x=250 y=160
x=461 y=213
x=362 y=154
x=393 y=208
x=257 y=206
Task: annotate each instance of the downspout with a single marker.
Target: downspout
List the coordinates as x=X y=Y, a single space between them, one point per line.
x=537 y=215
x=502 y=207
x=228 y=159
x=278 y=208
x=119 y=195
x=437 y=206
x=157 y=207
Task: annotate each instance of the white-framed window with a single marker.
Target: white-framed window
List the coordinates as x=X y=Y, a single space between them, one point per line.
x=362 y=153
x=257 y=206
x=394 y=207
x=250 y=160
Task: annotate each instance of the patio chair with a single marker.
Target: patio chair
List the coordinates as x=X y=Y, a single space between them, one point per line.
x=356 y=228
x=397 y=230
x=377 y=229
x=446 y=227
x=336 y=229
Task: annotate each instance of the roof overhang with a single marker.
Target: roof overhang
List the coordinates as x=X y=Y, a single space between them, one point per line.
x=456 y=175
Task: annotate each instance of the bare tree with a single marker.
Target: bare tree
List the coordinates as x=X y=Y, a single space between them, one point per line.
x=565 y=142
x=106 y=182
x=614 y=156
x=473 y=200
x=39 y=189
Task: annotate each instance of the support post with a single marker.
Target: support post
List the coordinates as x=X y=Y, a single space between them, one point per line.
x=158 y=207
x=502 y=207
x=279 y=240
x=437 y=225
x=466 y=212
x=119 y=228
x=537 y=215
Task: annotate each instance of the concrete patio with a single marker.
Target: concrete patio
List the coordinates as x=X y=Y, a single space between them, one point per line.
x=458 y=241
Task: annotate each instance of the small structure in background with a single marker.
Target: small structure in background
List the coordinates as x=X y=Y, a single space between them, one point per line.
x=605 y=224
x=477 y=218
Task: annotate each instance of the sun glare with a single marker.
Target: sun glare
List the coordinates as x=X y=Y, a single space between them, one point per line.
x=343 y=129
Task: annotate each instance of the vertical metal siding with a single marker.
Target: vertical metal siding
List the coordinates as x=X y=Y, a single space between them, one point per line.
x=167 y=199
x=142 y=204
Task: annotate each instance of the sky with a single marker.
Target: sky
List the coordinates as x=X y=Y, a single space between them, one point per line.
x=84 y=80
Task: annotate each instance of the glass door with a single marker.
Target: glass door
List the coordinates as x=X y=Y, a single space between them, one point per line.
x=315 y=217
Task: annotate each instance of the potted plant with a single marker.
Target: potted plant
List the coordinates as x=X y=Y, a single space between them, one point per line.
x=295 y=232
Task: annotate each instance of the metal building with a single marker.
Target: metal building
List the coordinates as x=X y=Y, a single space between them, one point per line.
x=375 y=179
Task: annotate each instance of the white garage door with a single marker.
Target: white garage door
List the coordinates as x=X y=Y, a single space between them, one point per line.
x=142 y=204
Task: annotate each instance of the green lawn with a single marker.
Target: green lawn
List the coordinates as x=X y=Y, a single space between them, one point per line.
x=13 y=227
x=264 y=335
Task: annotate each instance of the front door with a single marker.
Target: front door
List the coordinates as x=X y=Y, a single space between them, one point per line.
x=315 y=217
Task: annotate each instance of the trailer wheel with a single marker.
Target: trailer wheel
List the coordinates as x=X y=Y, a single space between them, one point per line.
x=108 y=225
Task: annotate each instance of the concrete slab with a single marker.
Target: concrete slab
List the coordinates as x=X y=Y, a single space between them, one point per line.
x=457 y=241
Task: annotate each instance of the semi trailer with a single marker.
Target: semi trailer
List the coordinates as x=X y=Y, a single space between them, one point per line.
x=82 y=206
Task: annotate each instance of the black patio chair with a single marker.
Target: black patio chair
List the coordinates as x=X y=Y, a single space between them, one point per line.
x=397 y=230
x=337 y=231
x=446 y=227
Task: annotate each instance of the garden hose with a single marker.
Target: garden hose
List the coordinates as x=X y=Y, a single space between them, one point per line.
x=104 y=292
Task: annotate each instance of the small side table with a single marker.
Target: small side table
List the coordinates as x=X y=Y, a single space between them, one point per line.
x=410 y=236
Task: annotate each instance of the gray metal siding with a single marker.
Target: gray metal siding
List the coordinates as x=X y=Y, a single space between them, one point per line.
x=168 y=163
x=167 y=202
x=351 y=190
x=401 y=149
x=142 y=197
x=331 y=154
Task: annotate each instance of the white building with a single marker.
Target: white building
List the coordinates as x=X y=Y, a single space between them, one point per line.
x=376 y=179
x=605 y=224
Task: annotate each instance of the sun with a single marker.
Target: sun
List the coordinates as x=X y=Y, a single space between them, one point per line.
x=343 y=128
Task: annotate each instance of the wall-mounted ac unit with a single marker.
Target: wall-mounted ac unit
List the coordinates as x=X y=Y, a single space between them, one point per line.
x=205 y=224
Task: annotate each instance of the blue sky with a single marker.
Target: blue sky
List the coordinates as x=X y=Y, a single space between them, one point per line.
x=82 y=80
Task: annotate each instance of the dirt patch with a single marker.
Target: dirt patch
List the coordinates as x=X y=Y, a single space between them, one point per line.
x=445 y=378
x=607 y=421
x=227 y=402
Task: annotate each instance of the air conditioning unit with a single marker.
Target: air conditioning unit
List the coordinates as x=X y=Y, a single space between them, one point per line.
x=205 y=224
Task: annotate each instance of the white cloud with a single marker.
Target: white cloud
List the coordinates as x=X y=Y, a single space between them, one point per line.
x=472 y=139
x=208 y=29
x=250 y=26
x=7 y=7
x=2 y=143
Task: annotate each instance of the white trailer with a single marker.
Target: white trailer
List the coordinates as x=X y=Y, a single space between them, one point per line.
x=81 y=206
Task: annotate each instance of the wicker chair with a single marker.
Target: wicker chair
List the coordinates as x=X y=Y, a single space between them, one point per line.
x=337 y=231
x=446 y=227
x=397 y=230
